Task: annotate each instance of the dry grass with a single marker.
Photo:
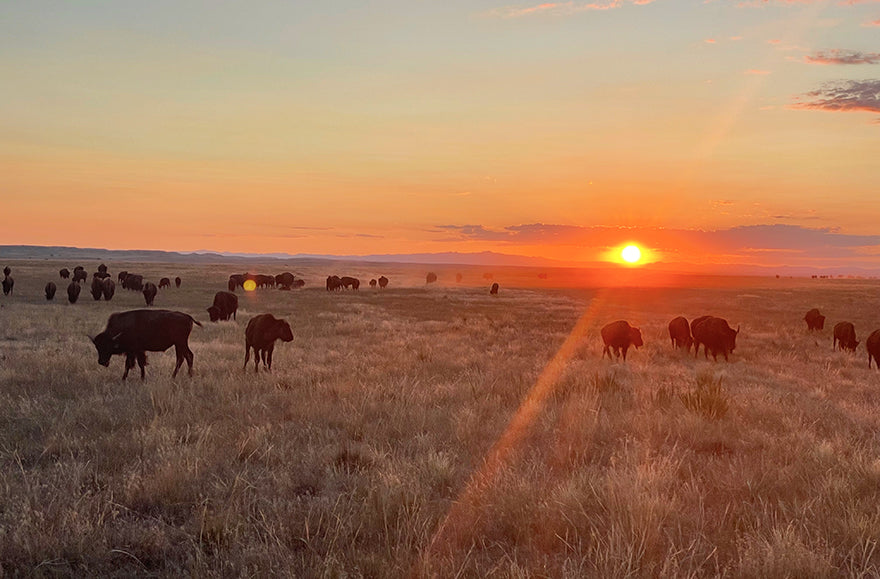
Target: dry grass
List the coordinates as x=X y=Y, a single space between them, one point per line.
x=379 y=445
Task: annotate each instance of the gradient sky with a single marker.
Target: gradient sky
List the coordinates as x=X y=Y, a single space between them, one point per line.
x=707 y=131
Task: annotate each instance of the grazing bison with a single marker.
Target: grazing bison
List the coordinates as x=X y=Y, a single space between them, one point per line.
x=137 y=332
x=494 y=289
x=350 y=282
x=73 y=292
x=264 y=280
x=680 y=333
x=431 y=277
x=150 y=291
x=284 y=280
x=79 y=275
x=177 y=281
x=164 y=282
x=50 y=290
x=236 y=280
x=108 y=288
x=225 y=305
x=716 y=336
x=298 y=283
x=620 y=335
x=334 y=283
x=133 y=282
x=872 y=344
x=121 y=277
x=845 y=336
x=383 y=282
x=815 y=320
x=8 y=282
x=6 y=271
x=97 y=288
x=64 y=273
x=373 y=283
x=261 y=334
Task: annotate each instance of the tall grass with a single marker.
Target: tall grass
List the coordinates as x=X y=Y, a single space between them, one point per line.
x=376 y=422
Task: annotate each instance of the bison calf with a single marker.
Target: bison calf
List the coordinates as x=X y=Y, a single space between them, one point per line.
x=619 y=336
x=261 y=334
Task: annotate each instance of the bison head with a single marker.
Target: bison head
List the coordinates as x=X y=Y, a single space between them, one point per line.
x=107 y=345
x=214 y=312
x=283 y=331
x=635 y=336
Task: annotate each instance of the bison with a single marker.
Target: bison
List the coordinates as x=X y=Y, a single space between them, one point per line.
x=121 y=277
x=620 y=335
x=108 y=288
x=494 y=289
x=284 y=280
x=815 y=320
x=8 y=282
x=225 y=305
x=334 y=283
x=177 y=282
x=64 y=273
x=80 y=275
x=73 y=292
x=431 y=277
x=97 y=288
x=383 y=282
x=872 y=344
x=6 y=271
x=373 y=283
x=136 y=332
x=102 y=269
x=50 y=290
x=715 y=334
x=845 y=336
x=261 y=333
x=680 y=333
x=164 y=282
x=150 y=291
x=350 y=282
x=237 y=280
x=133 y=282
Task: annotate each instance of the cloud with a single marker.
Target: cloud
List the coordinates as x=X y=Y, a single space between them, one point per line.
x=840 y=56
x=843 y=95
x=563 y=8
x=872 y=23
x=758 y=72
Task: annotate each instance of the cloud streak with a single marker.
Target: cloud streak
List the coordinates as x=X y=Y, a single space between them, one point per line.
x=839 y=56
x=563 y=8
x=843 y=96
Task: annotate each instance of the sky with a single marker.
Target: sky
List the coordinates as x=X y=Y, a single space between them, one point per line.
x=705 y=131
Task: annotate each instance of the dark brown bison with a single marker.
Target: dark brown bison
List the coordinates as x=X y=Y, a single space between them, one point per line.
x=102 y=269
x=177 y=281
x=50 y=290
x=494 y=289
x=101 y=275
x=64 y=273
x=108 y=289
x=136 y=332
x=334 y=283
x=620 y=335
x=80 y=275
x=872 y=344
x=815 y=320
x=383 y=282
x=8 y=284
x=265 y=280
x=373 y=283
x=284 y=280
x=298 y=282
x=431 y=277
x=133 y=282
x=350 y=282
x=680 y=333
x=225 y=305
x=845 y=336
x=716 y=336
x=261 y=334
x=121 y=277
x=73 y=292
x=97 y=288
x=237 y=280
x=164 y=282
x=150 y=291
x=6 y=271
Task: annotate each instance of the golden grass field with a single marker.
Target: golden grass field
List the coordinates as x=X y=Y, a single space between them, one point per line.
x=438 y=431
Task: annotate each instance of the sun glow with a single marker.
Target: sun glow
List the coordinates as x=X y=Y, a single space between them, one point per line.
x=631 y=254
x=249 y=285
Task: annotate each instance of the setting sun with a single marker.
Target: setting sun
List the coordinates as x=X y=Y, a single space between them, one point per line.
x=631 y=254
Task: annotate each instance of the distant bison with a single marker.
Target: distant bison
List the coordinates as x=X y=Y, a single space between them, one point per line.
x=6 y=271
x=108 y=288
x=350 y=282
x=121 y=277
x=845 y=336
x=133 y=282
x=102 y=269
x=177 y=281
x=8 y=283
x=373 y=283
x=225 y=305
x=79 y=275
x=261 y=334
x=150 y=291
x=236 y=280
x=73 y=292
x=494 y=289
x=431 y=277
x=619 y=336
x=97 y=288
x=716 y=336
x=872 y=344
x=815 y=320
x=297 y=283
x=680 y=333
x=334 y=283
x=164 y=282
x=136 y=332
x=383 y=282
x=284 y=280
x=50 y=290
x=64 y=273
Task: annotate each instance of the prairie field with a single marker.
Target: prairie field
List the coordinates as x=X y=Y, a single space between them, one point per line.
x=438 y=431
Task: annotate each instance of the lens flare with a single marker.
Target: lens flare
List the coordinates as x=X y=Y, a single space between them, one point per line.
x=631 y=254
x=249 y=285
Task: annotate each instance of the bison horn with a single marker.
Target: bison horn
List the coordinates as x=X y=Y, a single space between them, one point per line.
x=737 y=329
x=116 y=337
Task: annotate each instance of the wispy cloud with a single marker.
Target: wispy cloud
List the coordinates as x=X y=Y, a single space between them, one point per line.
x=758 y=72
x=562 y=8
x=840 y=56
x=844 y=95
x=871 y=23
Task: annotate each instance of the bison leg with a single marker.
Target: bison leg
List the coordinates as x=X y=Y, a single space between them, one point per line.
x=625 y=348
x=129 y=364
x=247 y=354
x=179 y=351
x=271 y=349
x=189 y=360
x=605 y=350
x=142 y=361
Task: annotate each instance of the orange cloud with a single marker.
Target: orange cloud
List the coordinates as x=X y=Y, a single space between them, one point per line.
x=838 y=56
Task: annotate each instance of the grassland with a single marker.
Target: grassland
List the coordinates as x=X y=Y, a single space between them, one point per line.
x=437 y=431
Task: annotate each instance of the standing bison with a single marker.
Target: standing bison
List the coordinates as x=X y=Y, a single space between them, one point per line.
x=619 y=336
x=373 y=283
x=350 y=282
x=872 y=344
x=844 y=336
x=494 y=289
x=815 y=320
x=64 y=273
x=97 y=288
x=333 y=283
x=79 y=274
x=108 y=288
x=137 y=332
x=50 y=290
x=164 y=282
x=73 y=292
x=680 y=333
x=716 y=336
x=261 y=334
x=225 y=305
x=284 y=280
x=383 y=282
x=177 y=282
x=150 y=291
x=8 y=282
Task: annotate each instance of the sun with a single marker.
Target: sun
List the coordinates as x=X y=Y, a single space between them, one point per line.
x=249 y=285
x=631 y=254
